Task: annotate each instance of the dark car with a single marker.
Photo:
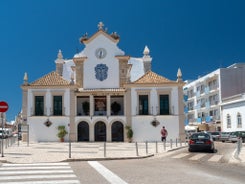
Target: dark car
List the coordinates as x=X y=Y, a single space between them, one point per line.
x=201 y=141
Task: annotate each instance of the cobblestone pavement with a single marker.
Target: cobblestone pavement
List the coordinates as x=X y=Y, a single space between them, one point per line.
x=57 y=152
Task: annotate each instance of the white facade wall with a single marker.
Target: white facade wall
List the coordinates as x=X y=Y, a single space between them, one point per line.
x=145 y=131
x=233 y=109
x=112 y=80
x=38 y=130
x=141 y=124
x=48 y=100
x=153 y=100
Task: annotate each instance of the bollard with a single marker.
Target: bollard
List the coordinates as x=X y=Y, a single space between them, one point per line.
x=69 y=147
x=146 y=148
x=176 y=143
x=171 y=142
x=104 y=149
x=239 y=144
x=137 y=151
x=156 y=147
x=164 y=145
x=180 y=142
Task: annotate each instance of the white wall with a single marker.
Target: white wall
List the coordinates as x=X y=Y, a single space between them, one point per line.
x=112 y=80
x=40 y=132
x=145 y=131
x=48 y=106
x=141 y=125
x=154 y=100
x=232 y=110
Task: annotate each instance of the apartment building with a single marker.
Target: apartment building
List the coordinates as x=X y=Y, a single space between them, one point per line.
x=204 y=96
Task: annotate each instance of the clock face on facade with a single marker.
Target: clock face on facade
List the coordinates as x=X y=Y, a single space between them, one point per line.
x=100 y=53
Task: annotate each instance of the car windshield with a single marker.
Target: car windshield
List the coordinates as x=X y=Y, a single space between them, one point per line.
x=200 y=136
x=225 y=133
x=215 y=133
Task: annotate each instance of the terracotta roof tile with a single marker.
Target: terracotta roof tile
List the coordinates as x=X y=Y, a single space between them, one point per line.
x=51 y=79
x=152 y=78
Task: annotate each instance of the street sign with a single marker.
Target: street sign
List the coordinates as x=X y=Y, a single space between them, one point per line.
x=3 y=106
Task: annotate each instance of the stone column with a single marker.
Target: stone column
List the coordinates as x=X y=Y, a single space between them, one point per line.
x=91 y=125
x=73 y=129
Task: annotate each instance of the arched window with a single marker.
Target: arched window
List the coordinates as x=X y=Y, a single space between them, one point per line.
x=228 y=120
x=239 y=120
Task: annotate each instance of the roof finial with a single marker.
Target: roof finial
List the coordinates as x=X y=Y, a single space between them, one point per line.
x=60 y=56
x=179 y=76
x=72 y=79
x=100 y=25
x=146 y=51
x=25 y=79
x=147 y=59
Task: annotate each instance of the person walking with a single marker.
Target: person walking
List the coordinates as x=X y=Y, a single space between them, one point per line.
x=164 y=134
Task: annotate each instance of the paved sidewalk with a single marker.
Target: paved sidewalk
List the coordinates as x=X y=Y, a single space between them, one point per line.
x=59 y=152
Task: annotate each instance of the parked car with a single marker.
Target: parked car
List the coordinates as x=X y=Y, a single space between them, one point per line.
x=3 y=134
x=201 y=141
x=242 y=135
x=215 y=135
x=224 y=136
x=235 y=135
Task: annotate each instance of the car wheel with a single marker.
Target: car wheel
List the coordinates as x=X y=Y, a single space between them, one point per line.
x=190 y=150
x=243 y=139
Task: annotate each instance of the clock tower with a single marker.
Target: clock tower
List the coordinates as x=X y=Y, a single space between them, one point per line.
x=100 y=64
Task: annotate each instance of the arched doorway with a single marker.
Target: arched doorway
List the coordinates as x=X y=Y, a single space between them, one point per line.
x=117 y=131
x=83 y=131
x=100 y=131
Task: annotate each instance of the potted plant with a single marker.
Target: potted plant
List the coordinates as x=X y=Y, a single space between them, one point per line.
x=130 y=133
x=115 y=107
x=86 y=107
x=61 y=132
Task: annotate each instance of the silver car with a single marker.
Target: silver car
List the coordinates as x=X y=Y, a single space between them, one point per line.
x=224 y=136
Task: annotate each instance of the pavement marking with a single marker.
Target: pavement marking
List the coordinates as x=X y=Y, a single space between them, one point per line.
x=106 y=173
x=37 y=164
x=38 y=173
x=34 y=172
x=181 y=155
x=197 y=157
x=32 y=168
x=23 y=177
x=215 y=158
x=44 y=182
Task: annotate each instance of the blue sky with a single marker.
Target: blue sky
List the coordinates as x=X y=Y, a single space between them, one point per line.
x=198 y=36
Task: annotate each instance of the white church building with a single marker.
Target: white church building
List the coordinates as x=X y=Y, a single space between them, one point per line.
x=99 y=92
